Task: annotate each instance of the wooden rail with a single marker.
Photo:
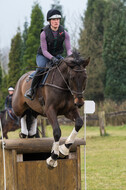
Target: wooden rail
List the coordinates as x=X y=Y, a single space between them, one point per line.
x=37 y=145
x=111 y=114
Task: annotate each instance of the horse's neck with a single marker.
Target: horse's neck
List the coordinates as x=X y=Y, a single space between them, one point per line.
x=59 y=75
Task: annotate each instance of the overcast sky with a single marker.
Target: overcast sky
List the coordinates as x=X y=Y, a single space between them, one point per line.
x=13 y=13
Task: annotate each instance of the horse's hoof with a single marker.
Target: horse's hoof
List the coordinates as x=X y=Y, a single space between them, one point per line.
x=51 y=164
x=50 y=167
x=61 y=155
x=63 y=151
x=22 y=136
x=31 y=136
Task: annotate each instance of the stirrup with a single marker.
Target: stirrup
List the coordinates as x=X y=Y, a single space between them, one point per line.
x=28 y=96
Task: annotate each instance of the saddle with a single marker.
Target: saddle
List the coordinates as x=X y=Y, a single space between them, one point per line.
x=44 y=77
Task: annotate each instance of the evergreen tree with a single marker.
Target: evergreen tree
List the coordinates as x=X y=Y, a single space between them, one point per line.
x=0 y=75
x=115 y=51
x=15 y=59
x=3 y=91
x=90 y=45
x=33 y=40
x=24 y=39
x=25 y=35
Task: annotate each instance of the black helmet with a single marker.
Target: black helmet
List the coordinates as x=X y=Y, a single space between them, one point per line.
x=53 y=13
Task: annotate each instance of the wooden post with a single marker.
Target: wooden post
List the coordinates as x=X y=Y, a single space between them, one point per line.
x=102 y=123
x=32 y=172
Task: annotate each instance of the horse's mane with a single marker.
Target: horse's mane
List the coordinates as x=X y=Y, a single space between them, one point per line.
x=76 y=54
x=74 y=59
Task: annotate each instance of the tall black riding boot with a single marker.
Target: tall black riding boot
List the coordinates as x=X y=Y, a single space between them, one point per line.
x=30 y=93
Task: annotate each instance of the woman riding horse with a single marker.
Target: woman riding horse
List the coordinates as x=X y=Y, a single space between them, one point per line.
x=62 y=94
x=51 y=39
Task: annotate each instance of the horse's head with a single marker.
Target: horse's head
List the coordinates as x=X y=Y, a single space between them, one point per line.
x=77 y=76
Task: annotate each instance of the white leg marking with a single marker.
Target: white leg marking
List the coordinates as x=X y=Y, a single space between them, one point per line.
x=55 y=148
x=72 y=137
x=24 y=129
x=51 y=162
x=64 y=150
x=70 y=140
x=33 y=128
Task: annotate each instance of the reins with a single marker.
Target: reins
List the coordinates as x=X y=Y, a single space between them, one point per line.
x=58 y=87
x=68 y=87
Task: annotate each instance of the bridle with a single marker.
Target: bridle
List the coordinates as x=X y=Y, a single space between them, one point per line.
x=72 y=91
x=68 y=86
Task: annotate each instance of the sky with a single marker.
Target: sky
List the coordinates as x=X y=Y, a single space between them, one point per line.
x=13 y=14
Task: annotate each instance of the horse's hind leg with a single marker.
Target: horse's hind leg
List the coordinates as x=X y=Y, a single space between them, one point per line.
x=33 y=128
x=64 y=149
x=24 y=130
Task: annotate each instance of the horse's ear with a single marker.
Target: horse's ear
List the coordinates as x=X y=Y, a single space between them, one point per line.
x=86 y=62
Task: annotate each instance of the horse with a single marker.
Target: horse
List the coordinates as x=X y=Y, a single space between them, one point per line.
x=9 y=122
x=62 y=94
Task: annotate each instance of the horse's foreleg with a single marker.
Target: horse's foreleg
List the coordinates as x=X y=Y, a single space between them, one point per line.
x=64 y=149
x=52 y=160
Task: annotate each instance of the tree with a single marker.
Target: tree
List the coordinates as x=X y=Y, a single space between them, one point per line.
x=3 y=91
x=90 y=45
x=33 y=39
x=114 y=53
x=4 y=59
x=15 y=64
x=24 y=40
x=0 y=75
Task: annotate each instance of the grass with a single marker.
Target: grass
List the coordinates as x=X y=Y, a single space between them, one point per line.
x=105 y=156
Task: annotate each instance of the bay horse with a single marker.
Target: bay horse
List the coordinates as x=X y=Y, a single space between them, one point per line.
x=8 y=122
x=62 y=94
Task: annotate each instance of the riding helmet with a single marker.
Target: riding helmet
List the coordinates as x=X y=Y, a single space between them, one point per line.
x=10 y=89
x=53 y=13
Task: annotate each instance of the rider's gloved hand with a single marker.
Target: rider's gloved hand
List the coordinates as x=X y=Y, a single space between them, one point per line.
x=54 y=61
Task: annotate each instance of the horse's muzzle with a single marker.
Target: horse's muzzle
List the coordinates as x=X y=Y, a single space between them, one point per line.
x=79 y=102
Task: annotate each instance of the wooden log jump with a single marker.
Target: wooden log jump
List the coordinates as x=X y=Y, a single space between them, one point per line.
x=26 y=167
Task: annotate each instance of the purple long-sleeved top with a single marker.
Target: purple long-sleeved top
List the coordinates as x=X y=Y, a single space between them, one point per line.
x=43 y=44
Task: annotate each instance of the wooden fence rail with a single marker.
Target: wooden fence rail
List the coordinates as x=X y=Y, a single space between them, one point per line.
x=111 y=114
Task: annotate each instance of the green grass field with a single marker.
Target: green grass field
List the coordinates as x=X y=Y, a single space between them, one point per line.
x=105 y=156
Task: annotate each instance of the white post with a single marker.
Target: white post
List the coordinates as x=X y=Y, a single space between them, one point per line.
x=89 y=108
x=85 y=151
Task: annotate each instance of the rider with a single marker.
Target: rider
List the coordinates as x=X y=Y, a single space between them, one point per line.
x=52 y=38
x=8 y=101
